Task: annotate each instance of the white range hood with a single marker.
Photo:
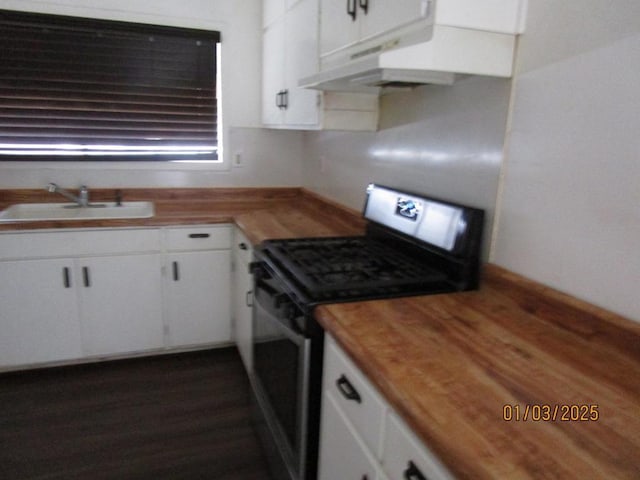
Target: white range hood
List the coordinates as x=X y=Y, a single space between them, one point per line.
x=451 y=51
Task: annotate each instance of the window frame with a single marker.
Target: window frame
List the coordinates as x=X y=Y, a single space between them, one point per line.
x=119 y=160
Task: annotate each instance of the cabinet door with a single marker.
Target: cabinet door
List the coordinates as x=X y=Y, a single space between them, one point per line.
x=273 y=60
x=354 y=394
x=121 y=303
x=198 y=297
x=405 y=456
x=337 y=28
x=342 y=453
x=242 y=299
x=385 y=16
x=301 y=49
x=38 y=312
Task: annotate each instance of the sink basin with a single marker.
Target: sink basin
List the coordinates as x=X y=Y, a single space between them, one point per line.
x=30 y=212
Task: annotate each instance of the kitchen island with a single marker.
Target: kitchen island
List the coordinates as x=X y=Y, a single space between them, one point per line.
x=514 y=380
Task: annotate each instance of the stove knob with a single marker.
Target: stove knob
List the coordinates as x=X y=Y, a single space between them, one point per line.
x=281 y=299
x=259 y=270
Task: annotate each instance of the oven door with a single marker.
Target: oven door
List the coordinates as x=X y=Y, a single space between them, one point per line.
x=281 y=354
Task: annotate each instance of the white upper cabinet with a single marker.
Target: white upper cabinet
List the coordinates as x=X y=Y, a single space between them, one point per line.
x=290 y=53
x=347 y=22
x=337 y=27
x=366 y=45
x=301 y=60
x=273 y=65
x=379 y=18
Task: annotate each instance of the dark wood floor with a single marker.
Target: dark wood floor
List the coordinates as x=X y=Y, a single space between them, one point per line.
x=178 y=417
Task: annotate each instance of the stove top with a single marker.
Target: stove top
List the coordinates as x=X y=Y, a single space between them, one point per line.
x=413 y=245
x=344 y=268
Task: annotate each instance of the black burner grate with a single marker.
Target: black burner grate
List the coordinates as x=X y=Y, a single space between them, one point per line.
x=341 y=267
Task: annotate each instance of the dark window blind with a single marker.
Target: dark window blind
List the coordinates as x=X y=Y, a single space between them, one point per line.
x=80 y=89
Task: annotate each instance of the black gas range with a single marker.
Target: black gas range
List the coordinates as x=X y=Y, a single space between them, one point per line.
x=413 y=245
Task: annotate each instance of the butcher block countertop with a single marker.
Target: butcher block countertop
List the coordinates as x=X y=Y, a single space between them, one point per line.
x=261 y=212
x=513 y=381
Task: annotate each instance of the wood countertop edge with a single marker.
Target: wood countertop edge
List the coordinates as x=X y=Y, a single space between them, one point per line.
x=202 y=206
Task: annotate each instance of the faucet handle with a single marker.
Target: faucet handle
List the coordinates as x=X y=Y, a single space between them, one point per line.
x=84 y=196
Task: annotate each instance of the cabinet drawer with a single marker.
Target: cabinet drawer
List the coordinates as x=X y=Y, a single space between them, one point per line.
x=356 y=397
x=198 y=238
x=76 y=243
x=405 y=454
x=342 y=453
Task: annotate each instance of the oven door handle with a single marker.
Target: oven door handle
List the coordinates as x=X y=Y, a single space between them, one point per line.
x=290 y=333
x=286 y=324
x=276 y=297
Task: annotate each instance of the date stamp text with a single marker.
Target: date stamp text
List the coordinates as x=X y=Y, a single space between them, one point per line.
x=550 y=413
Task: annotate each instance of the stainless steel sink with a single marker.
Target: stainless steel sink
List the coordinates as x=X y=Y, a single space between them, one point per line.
x=30 y=212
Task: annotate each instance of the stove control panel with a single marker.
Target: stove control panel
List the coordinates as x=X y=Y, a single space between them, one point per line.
x=436 y=222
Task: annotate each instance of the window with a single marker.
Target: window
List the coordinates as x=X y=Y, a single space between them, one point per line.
x=77 y=89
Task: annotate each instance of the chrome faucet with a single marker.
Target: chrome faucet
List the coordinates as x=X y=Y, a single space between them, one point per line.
x=82 y=199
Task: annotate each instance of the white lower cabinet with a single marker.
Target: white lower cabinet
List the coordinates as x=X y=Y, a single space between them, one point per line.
x=343 y=455
x=361 y=437
x=404 y=456
x=81 y=293
x=198 y=285
x=120 y=303
x=39 y=319
x=243 y=297
x=197 y=298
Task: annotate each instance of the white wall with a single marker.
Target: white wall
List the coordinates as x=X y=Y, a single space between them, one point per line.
x=568 y=211
x=570 y=208
x=269 y=158
x=442 y=141
x=239 y=22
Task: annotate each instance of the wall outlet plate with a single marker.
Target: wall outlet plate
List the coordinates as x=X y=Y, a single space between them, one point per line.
x=238 y=159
